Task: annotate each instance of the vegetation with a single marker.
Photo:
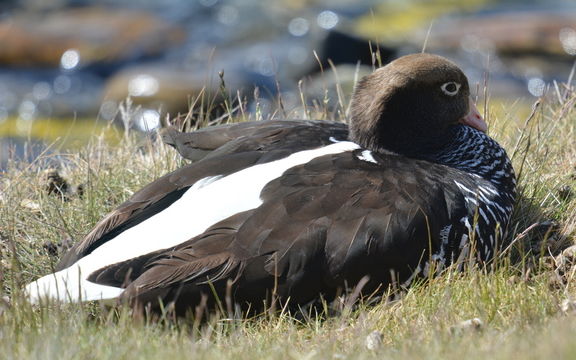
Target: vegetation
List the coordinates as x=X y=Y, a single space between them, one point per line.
x=520 y=301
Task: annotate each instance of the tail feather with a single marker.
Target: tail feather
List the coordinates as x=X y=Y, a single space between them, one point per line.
x=69 y=286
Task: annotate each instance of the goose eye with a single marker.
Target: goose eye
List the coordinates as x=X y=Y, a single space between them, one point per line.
x=450 y=88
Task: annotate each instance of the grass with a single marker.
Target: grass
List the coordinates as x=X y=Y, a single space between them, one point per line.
x=394 y=22
x=518 y=301
x=77 y=132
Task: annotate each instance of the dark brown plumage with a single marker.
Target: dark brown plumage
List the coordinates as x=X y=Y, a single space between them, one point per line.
x=419 y=188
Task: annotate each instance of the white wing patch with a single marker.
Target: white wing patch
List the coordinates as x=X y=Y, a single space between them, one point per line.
x=205 y=182
x=207 y=202
x=367 y=156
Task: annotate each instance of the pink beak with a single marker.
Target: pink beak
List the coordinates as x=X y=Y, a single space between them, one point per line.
x=474 y=119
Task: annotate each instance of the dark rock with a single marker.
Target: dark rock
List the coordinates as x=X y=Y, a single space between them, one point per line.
x=338 y=48
x=93 y=35
x=508 y=32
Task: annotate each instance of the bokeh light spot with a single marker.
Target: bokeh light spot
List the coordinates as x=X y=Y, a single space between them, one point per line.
x=70 y=59
x=327 y=19
x=568 y=39
x=536 y=86
x=62 y=84
x=41 y=90
x=298 y=26
x=148 y=120
x=143 y=85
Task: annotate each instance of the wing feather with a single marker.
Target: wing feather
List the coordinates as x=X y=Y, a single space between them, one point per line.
x=321 y=225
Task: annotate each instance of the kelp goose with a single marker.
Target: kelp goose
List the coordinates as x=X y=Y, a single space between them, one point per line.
x=299 y=209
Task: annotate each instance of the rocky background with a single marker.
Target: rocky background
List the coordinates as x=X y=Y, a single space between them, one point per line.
x=64 y=63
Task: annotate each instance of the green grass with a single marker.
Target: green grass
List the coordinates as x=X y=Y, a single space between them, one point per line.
x=518 y=301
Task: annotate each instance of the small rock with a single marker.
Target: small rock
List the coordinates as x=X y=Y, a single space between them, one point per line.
x=474 y=324
x=374 y=340
x=30 y=205
x=565 y=261
x=570 y=253
x=568 y=306
x=6 y=264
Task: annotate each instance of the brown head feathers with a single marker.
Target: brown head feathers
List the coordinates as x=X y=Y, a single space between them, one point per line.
x=408 y=105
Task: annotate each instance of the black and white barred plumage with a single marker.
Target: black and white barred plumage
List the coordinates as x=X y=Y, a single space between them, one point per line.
x=488 y=185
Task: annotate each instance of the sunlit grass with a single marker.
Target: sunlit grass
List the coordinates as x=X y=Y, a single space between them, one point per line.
x=67 y=133
x=394 y=21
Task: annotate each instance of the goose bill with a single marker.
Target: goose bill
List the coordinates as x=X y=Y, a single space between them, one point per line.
x=474 y=119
